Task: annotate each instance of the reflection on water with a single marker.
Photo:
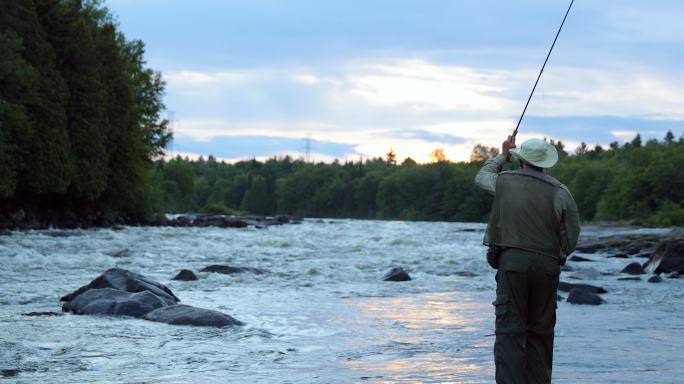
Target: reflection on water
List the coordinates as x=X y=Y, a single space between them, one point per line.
x=438 y=336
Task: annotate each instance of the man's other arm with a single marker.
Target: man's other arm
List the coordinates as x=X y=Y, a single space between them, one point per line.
x=486 y=177
x=566 y=210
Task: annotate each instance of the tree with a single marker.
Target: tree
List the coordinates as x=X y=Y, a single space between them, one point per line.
x=560 y=147
x=636 y=142
x=256 y=198
x=481 y=153
x=40 y=138
x=72 y=38
x=582 y=149
x=438 y=155
x=408 y=162
x=669 y=138
x=391 y=157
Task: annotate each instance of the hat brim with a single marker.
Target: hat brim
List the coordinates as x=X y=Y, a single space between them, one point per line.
x=549 y=161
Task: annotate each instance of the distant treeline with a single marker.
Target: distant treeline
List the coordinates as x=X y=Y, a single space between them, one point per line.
x=79 y=113
x=634 y=182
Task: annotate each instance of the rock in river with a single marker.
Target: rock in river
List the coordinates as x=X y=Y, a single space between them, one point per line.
x=579 y=258
x=670 y=253
x=583 y=296
x=127 y=281
x=567 y=287
x=110 y=301
x=655 y=279
x=633 y=269
x=185 y=275
x=396 y=274
x=181 y=314
x=227 y=269
x=124 y=293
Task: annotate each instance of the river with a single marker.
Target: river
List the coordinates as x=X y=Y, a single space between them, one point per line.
x=320 y=315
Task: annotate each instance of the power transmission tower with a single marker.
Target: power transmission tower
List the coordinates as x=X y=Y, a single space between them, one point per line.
x=307 y=148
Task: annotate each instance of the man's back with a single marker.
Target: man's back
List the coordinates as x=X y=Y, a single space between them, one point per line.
x=533 y=226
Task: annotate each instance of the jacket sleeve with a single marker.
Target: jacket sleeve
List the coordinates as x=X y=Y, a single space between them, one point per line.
x=566 y=210
x=486 y=177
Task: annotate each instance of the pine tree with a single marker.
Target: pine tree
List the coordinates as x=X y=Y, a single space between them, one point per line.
x=72 y=38
x=38 y=135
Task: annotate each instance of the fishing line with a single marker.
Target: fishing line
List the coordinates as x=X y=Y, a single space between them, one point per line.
x=542 y=68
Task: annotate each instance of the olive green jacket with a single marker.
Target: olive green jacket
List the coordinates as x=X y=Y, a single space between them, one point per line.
x=531 y=211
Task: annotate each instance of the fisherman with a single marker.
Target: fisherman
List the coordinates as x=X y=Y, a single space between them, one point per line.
x=533 y=227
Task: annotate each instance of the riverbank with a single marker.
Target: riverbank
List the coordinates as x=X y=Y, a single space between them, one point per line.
x=22 y=220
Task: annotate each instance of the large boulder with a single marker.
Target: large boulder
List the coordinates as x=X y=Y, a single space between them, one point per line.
x=670 y=254
x=109 y=301
x=120 y=292
x=127 y=281
x=567 y=287
x=396 y=274
x=633 y=269
x=583 y=296
x=181 y=314
x=228 y=269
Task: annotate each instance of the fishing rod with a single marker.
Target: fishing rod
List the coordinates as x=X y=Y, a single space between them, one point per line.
x=542 y=69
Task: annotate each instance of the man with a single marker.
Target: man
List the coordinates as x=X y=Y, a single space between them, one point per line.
x=533 y=227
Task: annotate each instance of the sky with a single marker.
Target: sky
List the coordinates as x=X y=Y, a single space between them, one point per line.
x=352 y=79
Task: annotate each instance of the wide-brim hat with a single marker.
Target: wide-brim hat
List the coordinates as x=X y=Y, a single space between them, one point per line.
x=537 y=152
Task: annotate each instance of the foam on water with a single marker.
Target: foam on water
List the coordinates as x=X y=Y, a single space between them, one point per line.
x=320 y=314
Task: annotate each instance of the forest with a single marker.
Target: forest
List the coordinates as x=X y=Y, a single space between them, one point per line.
x=82 y=138
x=79 y=114
x=635 y=182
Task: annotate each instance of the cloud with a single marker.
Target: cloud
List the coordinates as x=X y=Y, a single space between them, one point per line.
x=427 y=136
x=413 y=106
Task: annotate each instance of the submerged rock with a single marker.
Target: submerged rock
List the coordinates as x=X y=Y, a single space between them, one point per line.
x=579 y=258
x=9 y=372
x=110 y=301
x=633 y=269
x=126 y=281
x=567 y=287
x=185 y=275
x=674 y=275
x=396 y=274
x=586 y=274
x=619 y=256
x=181 y=314
x=655 y=279
x=228 y=270
x=42 y=314
x=583 y=296
x=119 y=253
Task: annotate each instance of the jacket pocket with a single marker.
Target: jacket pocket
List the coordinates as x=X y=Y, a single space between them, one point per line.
x=500 y=305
